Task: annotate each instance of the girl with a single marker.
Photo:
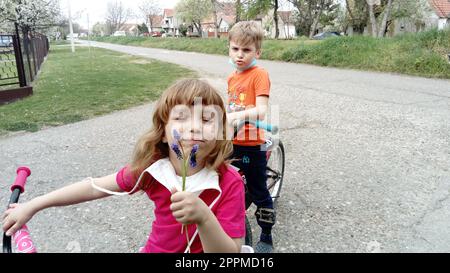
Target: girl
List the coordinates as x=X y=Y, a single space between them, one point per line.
x=212 y=208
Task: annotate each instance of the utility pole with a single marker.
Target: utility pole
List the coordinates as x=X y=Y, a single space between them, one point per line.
x=89 y=33
x=71 y=28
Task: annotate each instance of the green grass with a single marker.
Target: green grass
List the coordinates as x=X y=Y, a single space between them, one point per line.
x=74 y=87
x=422 y=54
x=59 y=42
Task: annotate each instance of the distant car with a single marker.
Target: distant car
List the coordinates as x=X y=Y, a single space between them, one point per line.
x=6 y=41
x=325 y=35
x=119 y=33
x=156 y=34
x=192 y=34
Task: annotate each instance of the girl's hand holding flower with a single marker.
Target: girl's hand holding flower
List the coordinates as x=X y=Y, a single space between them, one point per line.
x=188 y=208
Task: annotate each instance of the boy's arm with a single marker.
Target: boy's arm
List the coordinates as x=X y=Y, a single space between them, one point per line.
x=256 y=113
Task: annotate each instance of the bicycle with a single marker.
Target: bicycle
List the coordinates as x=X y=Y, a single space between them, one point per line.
x=274 y=169
x=22 y=238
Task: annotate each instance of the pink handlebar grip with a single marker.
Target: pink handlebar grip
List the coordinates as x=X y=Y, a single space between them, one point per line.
x=21 y=179
x=23 y=241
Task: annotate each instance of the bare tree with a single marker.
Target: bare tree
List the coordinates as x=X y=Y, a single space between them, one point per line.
x=116 y=15
x=149 y=9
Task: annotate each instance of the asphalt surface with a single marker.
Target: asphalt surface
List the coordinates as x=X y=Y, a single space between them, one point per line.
x=367 y=163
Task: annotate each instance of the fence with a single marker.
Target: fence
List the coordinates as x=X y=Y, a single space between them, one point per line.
x=21 y=57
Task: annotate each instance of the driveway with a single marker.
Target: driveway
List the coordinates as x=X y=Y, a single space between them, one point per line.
x=367 y=162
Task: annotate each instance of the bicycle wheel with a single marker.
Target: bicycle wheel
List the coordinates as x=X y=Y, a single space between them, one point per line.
x=275 y=171
x=248 y=232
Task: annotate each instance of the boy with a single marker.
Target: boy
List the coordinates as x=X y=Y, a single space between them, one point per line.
x=248 y=99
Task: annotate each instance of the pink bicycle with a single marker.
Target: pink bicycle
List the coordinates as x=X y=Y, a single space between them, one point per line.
x=22 y=238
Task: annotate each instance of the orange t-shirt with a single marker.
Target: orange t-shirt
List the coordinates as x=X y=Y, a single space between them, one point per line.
x=243 y=88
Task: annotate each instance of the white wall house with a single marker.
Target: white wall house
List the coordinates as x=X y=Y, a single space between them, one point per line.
x=441 y=14
x=286 y=26
x=170 y=22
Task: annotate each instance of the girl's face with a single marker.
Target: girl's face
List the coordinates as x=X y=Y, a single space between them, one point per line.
x=198 y=124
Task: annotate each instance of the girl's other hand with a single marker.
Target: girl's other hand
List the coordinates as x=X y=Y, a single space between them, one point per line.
x=15 y=217
x=187 y=208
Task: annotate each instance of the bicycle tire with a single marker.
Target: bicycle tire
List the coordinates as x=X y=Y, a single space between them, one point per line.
x=275 y=172
x=248 y=232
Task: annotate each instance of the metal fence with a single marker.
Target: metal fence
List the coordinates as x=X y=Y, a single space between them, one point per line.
x=21 y=57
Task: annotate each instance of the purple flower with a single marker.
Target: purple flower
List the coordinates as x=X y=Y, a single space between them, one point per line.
x=177 y=150
x=176 y=135
x=192 y=157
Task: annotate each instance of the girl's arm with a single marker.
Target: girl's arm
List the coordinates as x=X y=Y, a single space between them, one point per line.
x=76 y=193
x=213 y=237
x=256 y=113
x=19 y=214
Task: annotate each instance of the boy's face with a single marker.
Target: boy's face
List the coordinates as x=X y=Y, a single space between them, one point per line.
x=243 y=55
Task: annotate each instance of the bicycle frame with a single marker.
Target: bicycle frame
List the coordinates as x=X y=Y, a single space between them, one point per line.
x=22 y=238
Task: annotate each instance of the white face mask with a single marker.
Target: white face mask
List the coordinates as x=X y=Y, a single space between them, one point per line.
x=252 y=64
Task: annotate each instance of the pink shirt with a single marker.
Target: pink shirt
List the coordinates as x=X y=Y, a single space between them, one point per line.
x=166 y=234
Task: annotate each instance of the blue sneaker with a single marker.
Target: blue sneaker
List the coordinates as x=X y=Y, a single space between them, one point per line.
x=262 y=247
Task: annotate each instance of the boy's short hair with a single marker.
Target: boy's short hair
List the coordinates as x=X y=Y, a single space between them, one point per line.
x=247 y=32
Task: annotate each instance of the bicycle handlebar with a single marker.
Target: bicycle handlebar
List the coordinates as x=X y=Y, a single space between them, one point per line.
x=22 y=238
x=21 y=179
x=258 y=124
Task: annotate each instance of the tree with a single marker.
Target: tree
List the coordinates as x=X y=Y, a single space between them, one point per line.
x=99 y=29
x=376 y=9
x=148 y=9
x=310 y=13
x=257 y=7
x=194 y=11
x=116 y=16
x=30 y=14
x=142 y=28
x=214 y=6
x=373 y=20
x=238 y=7
x=357 y=15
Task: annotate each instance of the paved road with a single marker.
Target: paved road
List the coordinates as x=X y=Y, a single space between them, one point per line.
x=367 y=163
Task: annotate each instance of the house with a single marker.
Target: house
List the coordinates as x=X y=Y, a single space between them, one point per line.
x=170 y=23
x=156 y=23
x=226 y=17
x=286 y=26
x=130 y=29
x=437 y=15
x=442 y=12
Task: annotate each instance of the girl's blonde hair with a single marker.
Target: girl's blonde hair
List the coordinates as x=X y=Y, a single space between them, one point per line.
x=150 y=147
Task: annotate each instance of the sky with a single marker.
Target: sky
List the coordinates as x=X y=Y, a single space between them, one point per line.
x=96 y=9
